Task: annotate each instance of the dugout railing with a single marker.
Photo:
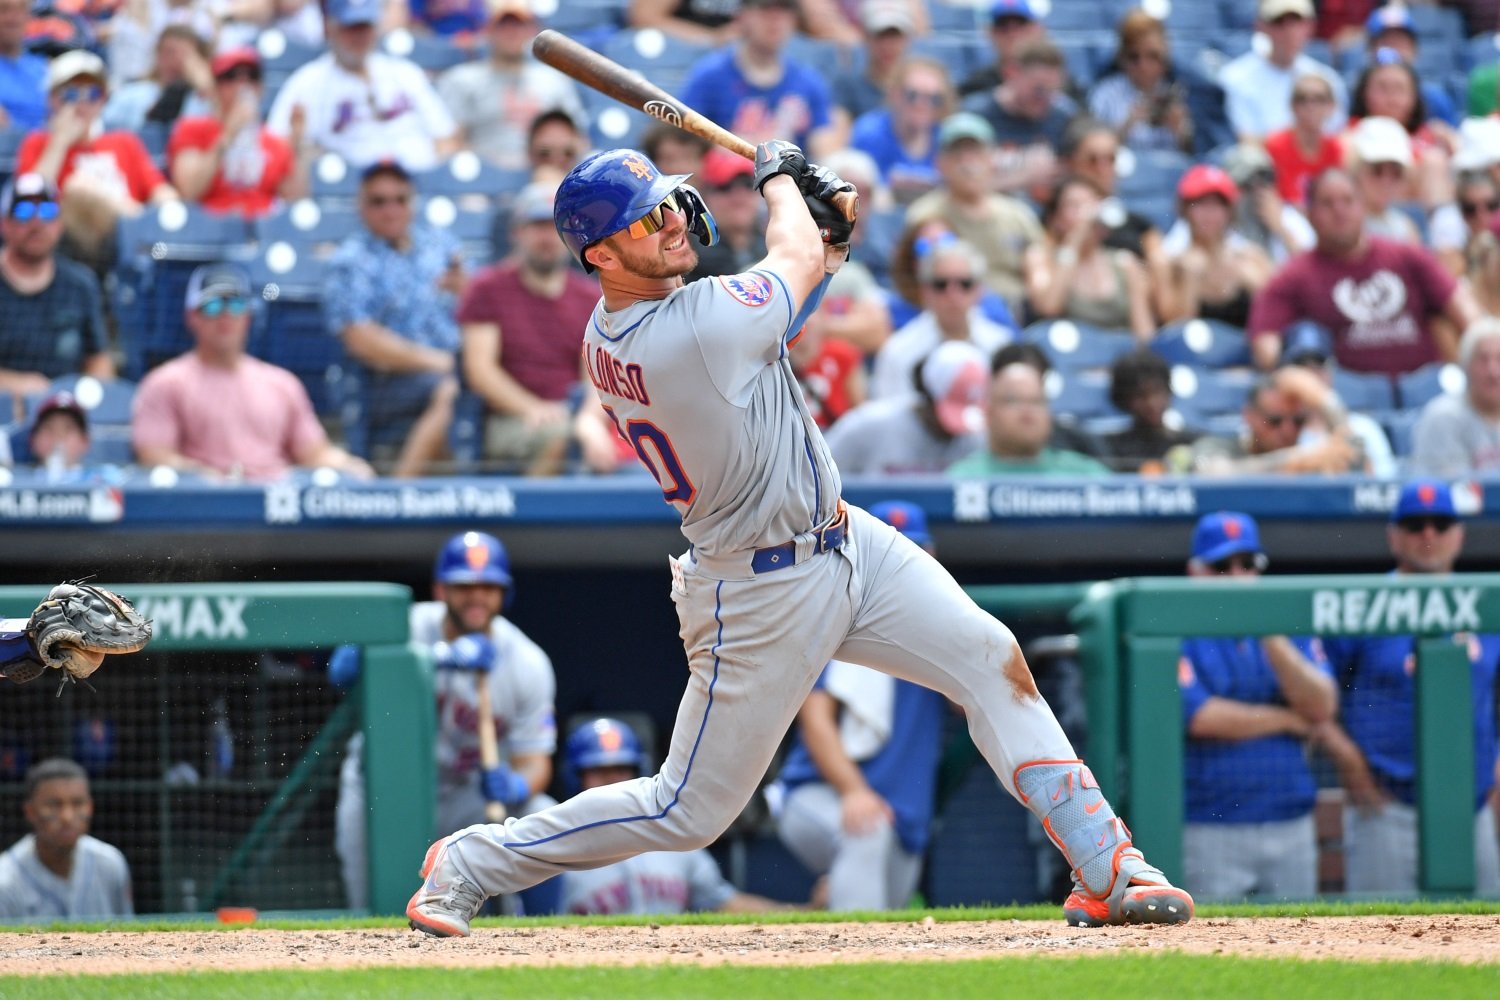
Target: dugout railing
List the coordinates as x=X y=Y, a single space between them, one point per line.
x=1131 y=638
x=251 y=618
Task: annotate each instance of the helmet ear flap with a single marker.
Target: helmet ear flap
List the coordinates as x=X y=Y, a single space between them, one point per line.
x=700 y=221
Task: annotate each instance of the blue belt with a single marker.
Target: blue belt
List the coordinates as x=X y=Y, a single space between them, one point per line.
x=774 y=557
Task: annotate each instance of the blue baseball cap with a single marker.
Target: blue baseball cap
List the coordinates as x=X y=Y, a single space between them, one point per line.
x=1223 y=534
x=1012 y=8
x=907 y=518
x=351 y=12
x=1391 y=17
x=1424 y=497
x=1304 y=339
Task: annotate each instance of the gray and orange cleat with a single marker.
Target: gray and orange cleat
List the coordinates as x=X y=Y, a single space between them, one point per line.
x=446 y=901
x=1112 y=882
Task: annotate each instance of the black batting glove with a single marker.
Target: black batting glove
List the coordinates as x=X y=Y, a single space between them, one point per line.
x=778 y=157
x=833 y=228
x=822 y=183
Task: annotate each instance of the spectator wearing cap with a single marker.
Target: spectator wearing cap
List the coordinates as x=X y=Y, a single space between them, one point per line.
x=53 y=319
x=999 y=226
x=1382 y=158
x=1391 y=27
x=495 y=99
x=1458 y=433
x=949 y=279
x=1012 y=24
x=1139 y=99
x=1140 y=385
x=522 y=324
x=1305 y=148
x=1018 y=421
x=1309 y=347
x=1280 y=406
x=923 y=432
x=1261 y=215
x=901 y=136
x=1218 y=273
x=362 y=104
x=219 y=412
x=102 y=175
x=1373 y=745
x=1072 y=275
x=1249 y=703
x=228 y=161
x=753 y=89
x=459 y=20
x=1389 y=88
x=728 y=188
x=888 y=29
x=856 y=794
x=23 y=73
x=1258 y=87
x=1456 y=231
x=1381 y=299
x=1026 y=117
x=390 y=295
x=179 y=83
x=59 y=439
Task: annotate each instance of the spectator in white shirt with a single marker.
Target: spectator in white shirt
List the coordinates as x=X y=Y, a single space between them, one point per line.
x=1258 y=87
x=365 y=105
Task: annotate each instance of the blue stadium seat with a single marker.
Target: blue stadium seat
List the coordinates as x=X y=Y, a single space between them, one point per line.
x=434 y=53
x=1400 y=425
x=334 y=180
x=1440 y=28
x=1072 y=346
x=611 y=124
x=587 y=20
x=1077 y=15
x=1483 y=49
x=1150 y=172
x=471 y=227
x=1237 y=14
x=110 y=445
x=107 y=401
x=281 y=57
x=466 y=175
x=819 y=54
x=466 y=432
x=1364 y=391
x=1201 y=394
x=961 y=54
x=157 y=251
x=154 y=136
x=317 y=228
x=1415 y=388
x=1204 y=343
x=959 y=16
x=1080 y=395
x=881 y=231
x=1181 y=15
x=661 y=59
x=287 y=284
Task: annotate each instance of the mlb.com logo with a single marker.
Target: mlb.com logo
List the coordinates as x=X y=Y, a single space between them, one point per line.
x=751 y=289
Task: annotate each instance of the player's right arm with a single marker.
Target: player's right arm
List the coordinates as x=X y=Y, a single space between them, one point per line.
x=793 y=248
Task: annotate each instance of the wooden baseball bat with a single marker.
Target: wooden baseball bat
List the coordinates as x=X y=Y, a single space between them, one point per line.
x=489 y=743
x=635 y=91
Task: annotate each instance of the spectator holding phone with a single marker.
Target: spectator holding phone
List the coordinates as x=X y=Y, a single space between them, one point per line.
x=1139 y=99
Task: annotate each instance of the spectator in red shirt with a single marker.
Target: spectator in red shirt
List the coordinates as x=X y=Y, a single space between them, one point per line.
x=1381 y=299
x=229 y=161
x=102 y=175
x=522 y=324
x=830 y=371
x=221 y=413
x=1305 y=150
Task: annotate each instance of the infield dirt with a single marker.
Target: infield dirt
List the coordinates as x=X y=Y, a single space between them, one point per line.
x=1457 y=938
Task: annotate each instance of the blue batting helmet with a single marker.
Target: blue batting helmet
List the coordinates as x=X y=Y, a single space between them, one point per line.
x=600 y=742
x=473 y=557
x=605 y=193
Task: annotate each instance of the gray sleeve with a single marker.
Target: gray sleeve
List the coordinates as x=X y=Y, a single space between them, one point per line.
x=707 y=888
x=1437 y=442
x=534 y=729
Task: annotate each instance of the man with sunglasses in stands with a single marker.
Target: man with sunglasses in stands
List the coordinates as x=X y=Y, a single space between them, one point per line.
x=1279 y=407
x=1248 y=705
x=218 y=412
x=102 y=175
x=1373 y=744
x=51 y=312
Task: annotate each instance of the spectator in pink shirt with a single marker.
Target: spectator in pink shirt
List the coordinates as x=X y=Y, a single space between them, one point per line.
x=218 y=412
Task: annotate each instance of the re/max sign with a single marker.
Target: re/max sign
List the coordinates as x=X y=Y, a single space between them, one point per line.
x=1446 y=609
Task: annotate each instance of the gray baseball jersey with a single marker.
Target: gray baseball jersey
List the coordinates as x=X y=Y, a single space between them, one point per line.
x=700 y=384
x=98 y=886
x=655 y=882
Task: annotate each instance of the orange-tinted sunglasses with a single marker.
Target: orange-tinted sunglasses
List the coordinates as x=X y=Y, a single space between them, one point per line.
x=654 y=220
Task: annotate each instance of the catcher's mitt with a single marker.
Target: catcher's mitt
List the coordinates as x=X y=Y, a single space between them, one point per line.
x=78 y=625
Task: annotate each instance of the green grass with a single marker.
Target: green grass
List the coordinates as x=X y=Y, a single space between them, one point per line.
x=293 y=922
x=1131 y=976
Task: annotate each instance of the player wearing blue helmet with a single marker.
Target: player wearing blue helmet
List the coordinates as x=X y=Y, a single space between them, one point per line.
x=605 y=751
x=466 y=633
x=782 y=576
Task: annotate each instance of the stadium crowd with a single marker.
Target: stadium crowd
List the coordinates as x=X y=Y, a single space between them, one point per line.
x=1213 y=237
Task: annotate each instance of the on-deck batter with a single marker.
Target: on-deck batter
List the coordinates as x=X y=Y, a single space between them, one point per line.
x=781 y=575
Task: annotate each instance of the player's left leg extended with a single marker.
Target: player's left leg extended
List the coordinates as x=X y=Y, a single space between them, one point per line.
x=915 y=622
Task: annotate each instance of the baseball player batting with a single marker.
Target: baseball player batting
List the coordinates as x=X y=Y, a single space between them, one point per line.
x=781 y=575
